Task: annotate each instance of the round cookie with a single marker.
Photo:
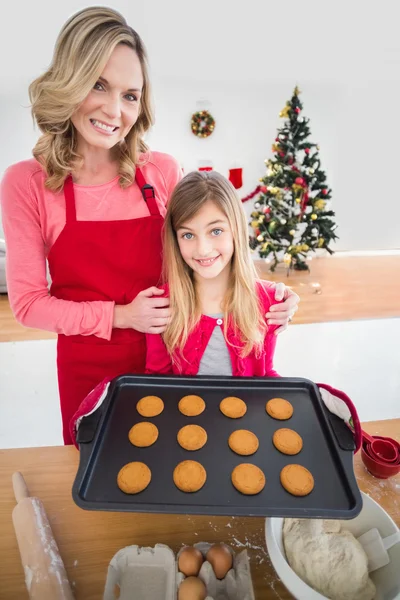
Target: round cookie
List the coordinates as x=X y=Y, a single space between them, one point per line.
x=287 y=441
x=150 y=406
x=233 y=407
x=280 y=409
x=189 y=476
x=192 y=437
x=243 y=442
x=191 y=406
x=248 y=479
x=143 y=434
x=134 y=477
x=297 y=480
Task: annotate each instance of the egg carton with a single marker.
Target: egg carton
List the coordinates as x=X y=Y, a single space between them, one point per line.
x=237 y=583
x=152 y=574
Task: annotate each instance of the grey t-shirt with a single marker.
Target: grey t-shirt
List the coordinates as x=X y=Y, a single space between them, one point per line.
x=216 y=359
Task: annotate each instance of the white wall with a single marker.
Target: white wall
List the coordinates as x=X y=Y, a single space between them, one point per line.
x=245 y=64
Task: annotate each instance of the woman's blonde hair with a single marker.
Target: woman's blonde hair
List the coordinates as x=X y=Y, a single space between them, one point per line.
x=82 y=50
x=241 y=305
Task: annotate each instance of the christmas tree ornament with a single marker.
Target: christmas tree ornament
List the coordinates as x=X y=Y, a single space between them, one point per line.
x=285 y=112
x=314 y=217
x=319 y=204
x=307 y=150
x=324 y=191
x=260 y=238
x=202 y=124
x=252 y=194
x=292 y=232
x=236 y=177
x=263 y=189
x=257 y=205
x=283 y=221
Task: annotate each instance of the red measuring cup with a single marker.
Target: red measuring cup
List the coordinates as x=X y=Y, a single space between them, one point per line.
x=382 y=449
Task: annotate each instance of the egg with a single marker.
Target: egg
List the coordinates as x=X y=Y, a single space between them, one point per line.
x=192 y=588
x=190 y=561
x=220 y=559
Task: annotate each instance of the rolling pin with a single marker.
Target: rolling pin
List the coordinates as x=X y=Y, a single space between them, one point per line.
x=45 y=575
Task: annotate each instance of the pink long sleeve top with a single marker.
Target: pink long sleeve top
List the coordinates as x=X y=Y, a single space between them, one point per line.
x=159 y=361
x=33 y=218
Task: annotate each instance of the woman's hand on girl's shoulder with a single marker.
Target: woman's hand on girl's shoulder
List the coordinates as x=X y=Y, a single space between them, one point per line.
x=282 y=313
x=149 y=312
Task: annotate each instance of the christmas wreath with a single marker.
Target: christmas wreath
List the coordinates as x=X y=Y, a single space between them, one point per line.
x=202 y=124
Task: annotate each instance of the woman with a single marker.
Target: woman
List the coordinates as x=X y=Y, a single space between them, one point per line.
x=91 y=203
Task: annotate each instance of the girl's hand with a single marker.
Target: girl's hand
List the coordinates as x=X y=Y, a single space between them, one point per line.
x=282 y=314
x=145 y=313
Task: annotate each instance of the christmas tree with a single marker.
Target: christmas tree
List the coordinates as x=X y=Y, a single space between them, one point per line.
x=292 y=216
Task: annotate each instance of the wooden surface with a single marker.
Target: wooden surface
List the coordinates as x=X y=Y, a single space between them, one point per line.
x=12 y=331
x=343 y=288
x=88 y=540
x=336 y=289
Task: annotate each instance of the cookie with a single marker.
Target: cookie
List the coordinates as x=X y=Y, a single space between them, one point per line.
x=297 y=480
x=243 y=442
x=248 y=479
x=189 y=476
x=191 y=406
x=287 y=441
x=280 y=409
x=150 y=406
x=143 y=434
x=192 y=437
x=134 y=477
x=232 y=407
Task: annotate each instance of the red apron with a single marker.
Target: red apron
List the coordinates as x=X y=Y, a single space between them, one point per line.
x=109 y=261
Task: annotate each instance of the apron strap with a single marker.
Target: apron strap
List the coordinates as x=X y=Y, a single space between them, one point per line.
x=147 y=193
x=70 y=209
x=146 y=189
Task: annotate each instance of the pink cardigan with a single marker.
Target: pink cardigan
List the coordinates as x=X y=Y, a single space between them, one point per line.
x=159 y=361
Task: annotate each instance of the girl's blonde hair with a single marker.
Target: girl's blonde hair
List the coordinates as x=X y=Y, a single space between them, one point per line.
x=241 y=305
x=82 y=50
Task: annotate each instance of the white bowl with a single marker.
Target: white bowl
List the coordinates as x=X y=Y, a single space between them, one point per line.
x=386 y=579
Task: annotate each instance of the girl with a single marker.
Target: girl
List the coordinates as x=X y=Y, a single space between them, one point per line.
x=217 y=303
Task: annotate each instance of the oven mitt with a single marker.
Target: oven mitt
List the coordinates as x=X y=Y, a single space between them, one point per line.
x=89 y=405
x=336 y=401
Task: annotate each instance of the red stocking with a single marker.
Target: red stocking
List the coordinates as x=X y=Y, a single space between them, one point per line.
x=235 y=177
x=205 y=165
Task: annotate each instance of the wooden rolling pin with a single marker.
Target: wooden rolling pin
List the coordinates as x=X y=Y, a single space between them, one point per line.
x=45 y=575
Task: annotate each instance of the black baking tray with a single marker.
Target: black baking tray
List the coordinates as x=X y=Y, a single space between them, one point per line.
x=327 y=451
